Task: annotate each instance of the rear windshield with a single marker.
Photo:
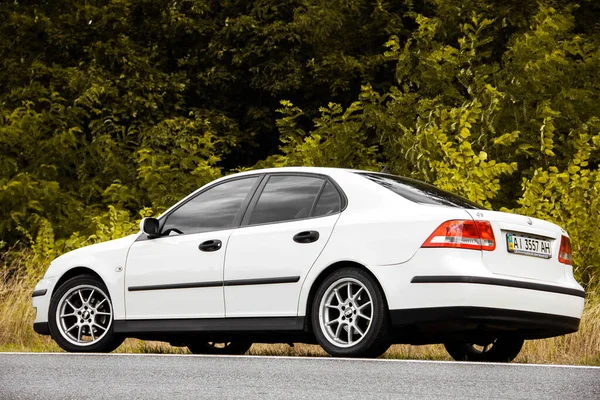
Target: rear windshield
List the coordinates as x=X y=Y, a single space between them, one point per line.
x=419 y=192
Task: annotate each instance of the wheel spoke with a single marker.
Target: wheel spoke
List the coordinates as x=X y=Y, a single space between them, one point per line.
x=70 y=305
x=92 y=332
x=333 y=321
x=349 y=290
x=357 y=293
x=102 y=313
x=98 y=326
x=332 y=306
x=359 y=314
x=100 y=303
x=91 y=294
x=79 y=334
x=68 y=315
x=349 y=333
x=337 y=331
x=71 y=328
x=81 y=297
x=363 y=305
x=337 y=296
x=360 y=332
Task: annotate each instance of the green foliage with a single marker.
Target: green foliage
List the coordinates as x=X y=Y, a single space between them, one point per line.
x=338 y=140
x=570 y=196
x=177 y=156
x=107 y=108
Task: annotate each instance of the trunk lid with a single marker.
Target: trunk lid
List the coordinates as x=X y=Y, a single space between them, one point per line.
x=517 y=236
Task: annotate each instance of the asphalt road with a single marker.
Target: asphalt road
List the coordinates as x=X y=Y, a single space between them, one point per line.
x=125 y=376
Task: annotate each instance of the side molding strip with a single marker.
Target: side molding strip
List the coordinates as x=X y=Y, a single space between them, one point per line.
x=265 y=281
x=186 y=285
x=238 y=282
x=171 y=326
x=481 y=280
x=37 y=293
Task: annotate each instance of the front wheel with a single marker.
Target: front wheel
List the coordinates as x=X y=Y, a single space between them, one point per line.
x=226 y=348
x=350 y=316
x=497 y=350
x=81 y=316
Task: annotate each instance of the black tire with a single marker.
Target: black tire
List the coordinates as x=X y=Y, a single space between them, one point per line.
x=227 y=348
x=107 y=340
x=502 y=349
x=376 y=338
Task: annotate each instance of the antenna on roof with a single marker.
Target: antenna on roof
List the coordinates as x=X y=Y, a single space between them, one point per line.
x=385 y=170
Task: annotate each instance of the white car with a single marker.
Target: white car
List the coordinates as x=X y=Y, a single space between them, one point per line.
x=352 y=260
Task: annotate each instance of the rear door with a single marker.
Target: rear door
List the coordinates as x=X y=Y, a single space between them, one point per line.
x=287 y=226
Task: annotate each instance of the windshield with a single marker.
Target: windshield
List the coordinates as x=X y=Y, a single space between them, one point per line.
x=419 y=192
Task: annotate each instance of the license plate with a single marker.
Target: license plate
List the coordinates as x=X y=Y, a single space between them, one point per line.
x=528 y=246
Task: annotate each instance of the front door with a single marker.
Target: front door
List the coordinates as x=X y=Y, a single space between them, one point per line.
x=180 y=273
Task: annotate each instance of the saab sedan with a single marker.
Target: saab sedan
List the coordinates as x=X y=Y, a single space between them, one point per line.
x=352 y=260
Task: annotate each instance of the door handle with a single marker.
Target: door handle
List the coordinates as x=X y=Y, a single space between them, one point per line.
x=306 y=237
x=210 y=245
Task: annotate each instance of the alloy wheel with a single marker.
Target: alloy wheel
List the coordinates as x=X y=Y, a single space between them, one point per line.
x=84 y=315
x=346 y=312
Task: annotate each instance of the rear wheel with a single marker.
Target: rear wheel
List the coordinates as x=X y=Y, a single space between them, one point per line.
x=497 y=350
x=81 y=316
x=350 y=316
x=227 y=348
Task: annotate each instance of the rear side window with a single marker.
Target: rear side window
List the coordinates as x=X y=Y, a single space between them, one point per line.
x=329 y=202
x=286 y=198
x=420 y=192
x=214 y=209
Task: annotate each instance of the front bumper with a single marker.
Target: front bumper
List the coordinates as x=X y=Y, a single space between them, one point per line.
x=41 y=302
x=41 y=328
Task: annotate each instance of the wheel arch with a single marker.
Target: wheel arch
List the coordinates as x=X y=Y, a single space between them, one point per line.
x=77 y=271
x=323 y=275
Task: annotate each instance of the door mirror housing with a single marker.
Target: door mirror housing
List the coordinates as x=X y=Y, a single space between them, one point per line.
x=151 y=227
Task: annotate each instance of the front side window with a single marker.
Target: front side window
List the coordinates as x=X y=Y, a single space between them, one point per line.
x=214 y=209
x=286 y=198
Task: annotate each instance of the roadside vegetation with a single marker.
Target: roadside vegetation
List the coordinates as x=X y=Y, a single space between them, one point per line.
x=16 y=334
x=113 y=110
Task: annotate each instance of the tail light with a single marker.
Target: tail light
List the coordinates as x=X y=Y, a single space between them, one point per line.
x=565 y=255
x=463 y=234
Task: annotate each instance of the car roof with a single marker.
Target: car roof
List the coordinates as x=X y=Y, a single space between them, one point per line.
x=314 y=170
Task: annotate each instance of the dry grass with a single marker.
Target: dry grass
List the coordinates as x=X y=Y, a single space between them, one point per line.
x=17 y=315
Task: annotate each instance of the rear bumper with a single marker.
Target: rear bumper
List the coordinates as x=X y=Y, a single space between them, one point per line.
x=446 y=322
x=440 y=278
x=458 y=306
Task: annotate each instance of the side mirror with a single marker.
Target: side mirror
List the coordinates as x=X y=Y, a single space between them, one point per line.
x=151 y=227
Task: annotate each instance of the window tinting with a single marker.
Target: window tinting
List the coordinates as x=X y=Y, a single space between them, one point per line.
x=329 y=202
x=286 y=198
x=213 y=209
x=419 y=192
